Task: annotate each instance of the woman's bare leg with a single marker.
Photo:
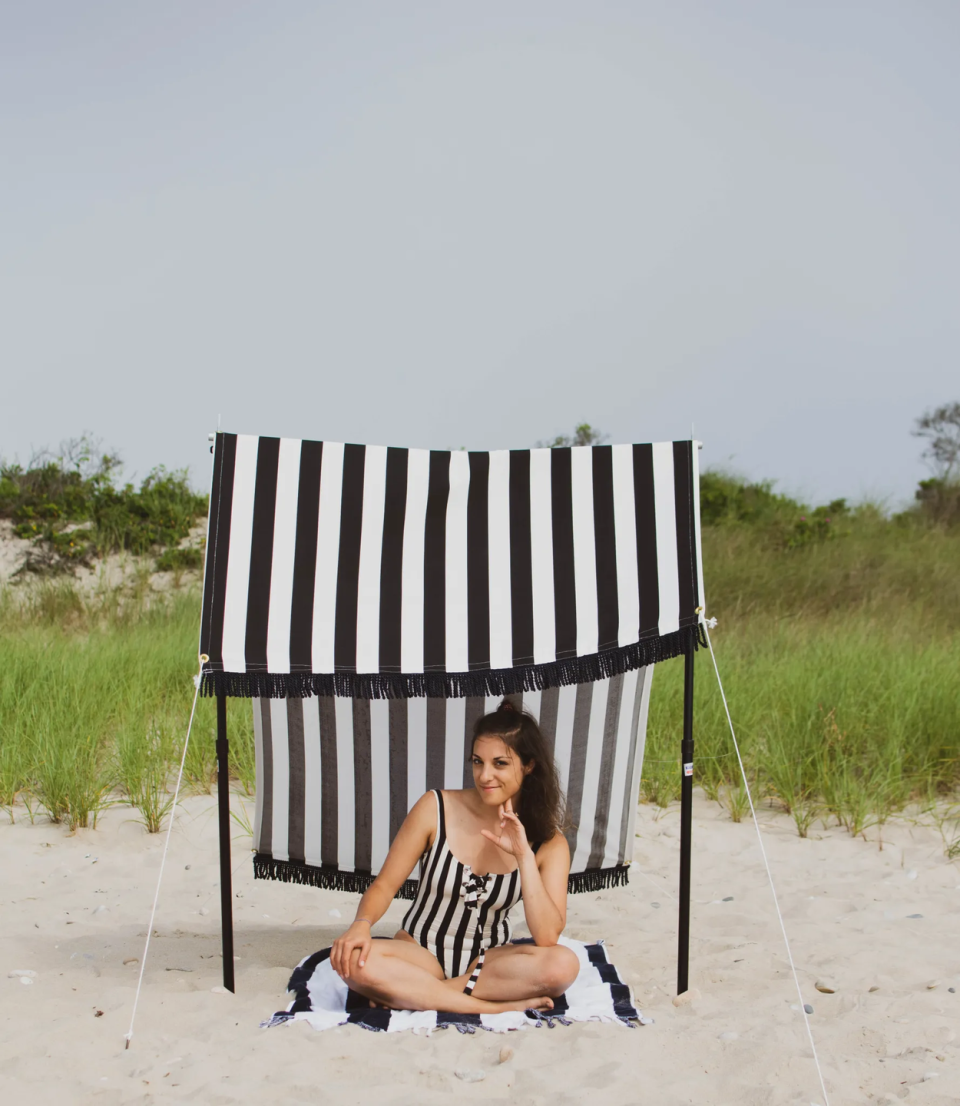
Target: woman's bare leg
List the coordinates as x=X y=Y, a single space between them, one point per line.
x=511 y=972
x=396 y=975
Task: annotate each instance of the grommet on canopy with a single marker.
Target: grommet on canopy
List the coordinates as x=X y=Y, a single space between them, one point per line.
x=372 y=601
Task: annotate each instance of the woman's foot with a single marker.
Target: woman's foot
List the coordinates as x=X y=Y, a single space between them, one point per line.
x=541 y=1003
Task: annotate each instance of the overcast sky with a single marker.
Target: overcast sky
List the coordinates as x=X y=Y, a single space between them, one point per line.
x=474 y=224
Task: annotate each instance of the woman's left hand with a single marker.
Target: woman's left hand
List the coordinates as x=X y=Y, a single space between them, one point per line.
x=512 y=837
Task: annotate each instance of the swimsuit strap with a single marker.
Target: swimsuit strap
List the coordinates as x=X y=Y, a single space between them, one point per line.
x=441 y=817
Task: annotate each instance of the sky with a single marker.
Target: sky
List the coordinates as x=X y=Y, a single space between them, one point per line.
x=452 y=224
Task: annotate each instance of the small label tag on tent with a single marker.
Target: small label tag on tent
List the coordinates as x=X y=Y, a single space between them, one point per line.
x=688 y=769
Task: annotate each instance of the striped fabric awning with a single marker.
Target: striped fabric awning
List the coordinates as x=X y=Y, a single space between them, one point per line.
x=380 y=573
x=337 y=776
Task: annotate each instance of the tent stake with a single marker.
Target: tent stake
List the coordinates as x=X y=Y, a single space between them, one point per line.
x=686 y=823
x=226 y=882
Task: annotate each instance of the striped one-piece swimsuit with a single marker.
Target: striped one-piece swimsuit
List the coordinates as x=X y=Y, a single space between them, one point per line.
x=457 y=913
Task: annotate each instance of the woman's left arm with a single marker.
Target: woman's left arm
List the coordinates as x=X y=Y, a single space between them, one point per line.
x=543 y=878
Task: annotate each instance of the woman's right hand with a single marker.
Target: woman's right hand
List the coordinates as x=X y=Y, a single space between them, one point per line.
x=341 y=955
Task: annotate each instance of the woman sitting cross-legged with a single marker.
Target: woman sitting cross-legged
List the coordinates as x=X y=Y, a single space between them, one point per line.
x=480 y=851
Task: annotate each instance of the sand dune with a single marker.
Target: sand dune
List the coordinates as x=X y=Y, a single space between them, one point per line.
x=75 y=907
x=102 y=574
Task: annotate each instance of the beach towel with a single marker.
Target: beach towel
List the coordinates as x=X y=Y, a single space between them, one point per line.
x=323 y=1000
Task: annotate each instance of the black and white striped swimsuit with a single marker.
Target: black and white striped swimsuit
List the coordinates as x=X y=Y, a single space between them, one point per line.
x=457 y=913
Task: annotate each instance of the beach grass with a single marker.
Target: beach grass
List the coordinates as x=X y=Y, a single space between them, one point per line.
x=839 y=663
x=839 y=659
x=95 y=696
x=840 y=713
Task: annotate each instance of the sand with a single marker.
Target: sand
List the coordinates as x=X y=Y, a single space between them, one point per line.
x=74 y=907
x=103 y=574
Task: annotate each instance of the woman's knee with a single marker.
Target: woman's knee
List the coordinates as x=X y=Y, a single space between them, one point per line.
x=370 y=975
x=559 y=969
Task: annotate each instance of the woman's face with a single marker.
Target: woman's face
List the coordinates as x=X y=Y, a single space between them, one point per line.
x=497 y=770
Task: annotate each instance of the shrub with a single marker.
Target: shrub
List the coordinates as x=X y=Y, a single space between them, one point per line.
x=729 y=500
x=72 y=509
x=939 y=500
x=180 y=560
x=726 y=498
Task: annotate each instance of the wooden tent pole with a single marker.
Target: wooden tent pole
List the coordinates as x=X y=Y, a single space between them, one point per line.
x=686 y=823
x=226 y=881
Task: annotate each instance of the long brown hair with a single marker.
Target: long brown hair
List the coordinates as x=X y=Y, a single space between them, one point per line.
x=539 y=805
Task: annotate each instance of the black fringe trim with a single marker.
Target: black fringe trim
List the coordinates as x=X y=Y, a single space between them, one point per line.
x=453 y=685
x=332 y=879
x=329 y=879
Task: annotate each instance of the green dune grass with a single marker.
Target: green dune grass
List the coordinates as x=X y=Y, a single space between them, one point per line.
x=840 y=665
x=839 y=658
x=95 y=696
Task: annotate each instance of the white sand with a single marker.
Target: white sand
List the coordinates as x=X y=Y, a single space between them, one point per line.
x=74 y=907
x=103 y=574
x=13 y=550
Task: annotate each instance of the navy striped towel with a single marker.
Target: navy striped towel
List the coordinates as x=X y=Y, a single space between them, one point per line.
x=322 y=999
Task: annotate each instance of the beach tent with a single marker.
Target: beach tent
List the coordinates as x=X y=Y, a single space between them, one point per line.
x=336 y=776
x=374 y=601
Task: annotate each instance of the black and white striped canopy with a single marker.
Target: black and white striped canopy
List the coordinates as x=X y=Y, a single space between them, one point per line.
x=336 y=776
x=379 y=573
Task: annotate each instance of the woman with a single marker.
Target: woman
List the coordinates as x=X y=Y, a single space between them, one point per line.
x=452 y=952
